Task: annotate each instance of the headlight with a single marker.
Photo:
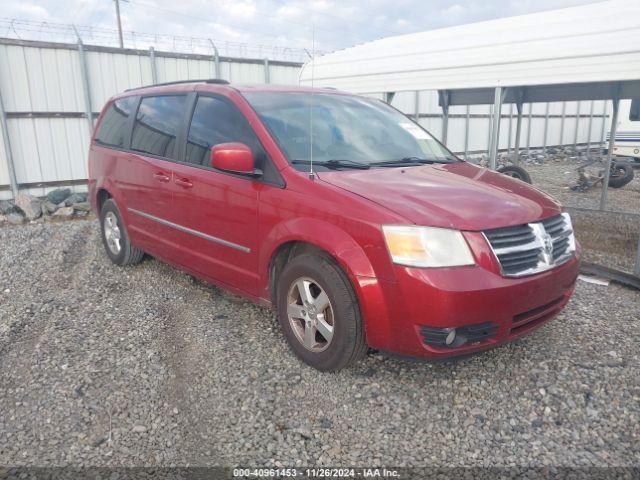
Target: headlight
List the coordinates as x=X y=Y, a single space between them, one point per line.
x=426 y=246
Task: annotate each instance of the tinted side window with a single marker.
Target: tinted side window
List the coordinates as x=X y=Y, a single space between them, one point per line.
x=634 y=114
x=113 y=127
x=157 y=124
x=216 y=121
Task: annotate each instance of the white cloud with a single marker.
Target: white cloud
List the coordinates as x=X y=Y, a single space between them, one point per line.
x=453 y=11
x=241 y=9
x=338 y=24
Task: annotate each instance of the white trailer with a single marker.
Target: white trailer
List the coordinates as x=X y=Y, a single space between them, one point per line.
x=627 y=141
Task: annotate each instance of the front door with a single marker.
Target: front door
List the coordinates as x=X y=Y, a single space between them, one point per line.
x=147 y=178
x=217 y=212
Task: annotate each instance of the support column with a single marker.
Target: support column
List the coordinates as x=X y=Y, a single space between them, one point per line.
x=495 y=126
x=489 y=129
x=564 y=114
x=529 y=130
x=86 y=85
x=154 y=68
x=510 y=124
x=466 y=132
x=604 y=121
x=444 y=102
x=516 y=148
x=546 y=129
x=417 y=106
x=615 y=101
x=216 y=60
x=7 y=149
x=575 y=133
x=590 y=125
x=267 y=74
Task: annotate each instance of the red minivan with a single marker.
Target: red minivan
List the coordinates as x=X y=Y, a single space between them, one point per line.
x=351 y=220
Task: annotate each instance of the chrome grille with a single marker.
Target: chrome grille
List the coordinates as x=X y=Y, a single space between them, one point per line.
x=534 y=247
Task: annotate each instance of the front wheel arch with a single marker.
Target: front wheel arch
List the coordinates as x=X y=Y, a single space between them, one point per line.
x=287 y=252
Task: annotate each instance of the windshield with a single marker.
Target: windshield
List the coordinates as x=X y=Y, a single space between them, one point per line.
x=348 y=131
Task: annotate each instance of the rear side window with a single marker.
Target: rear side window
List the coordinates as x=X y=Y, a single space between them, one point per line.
x=634 y=114
x=157 y=125
x=113 y=127
x=216 y=121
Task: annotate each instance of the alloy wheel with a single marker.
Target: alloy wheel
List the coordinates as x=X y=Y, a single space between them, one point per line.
x=112 y=233
x=310 y=314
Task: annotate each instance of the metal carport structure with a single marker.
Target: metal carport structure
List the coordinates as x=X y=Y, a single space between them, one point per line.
x=590 y=52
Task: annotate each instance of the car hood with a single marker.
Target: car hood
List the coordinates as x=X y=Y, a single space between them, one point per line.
x=454 y=195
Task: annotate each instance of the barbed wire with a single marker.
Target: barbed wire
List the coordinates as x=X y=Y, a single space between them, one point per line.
x=66 y=33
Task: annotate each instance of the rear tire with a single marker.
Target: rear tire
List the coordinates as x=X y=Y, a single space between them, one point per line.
x=621 y=174
x=321 y=275
x=514 y=171
x=115 y=237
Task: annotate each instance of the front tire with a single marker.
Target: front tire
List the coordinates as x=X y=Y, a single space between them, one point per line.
x=115 y=238
x=621 y=174
x=319 y=314
x=514 y=171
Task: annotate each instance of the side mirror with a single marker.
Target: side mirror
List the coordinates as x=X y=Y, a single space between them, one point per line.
x=233 y=157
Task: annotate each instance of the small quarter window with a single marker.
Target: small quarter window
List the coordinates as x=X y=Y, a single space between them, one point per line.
x=634 y=113
x=157 y=125
x=113 y=126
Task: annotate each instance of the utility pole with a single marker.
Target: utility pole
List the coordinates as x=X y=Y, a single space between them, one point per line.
x=119 y=22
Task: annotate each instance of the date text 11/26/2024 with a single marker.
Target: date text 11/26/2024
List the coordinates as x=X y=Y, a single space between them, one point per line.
x=316 y=472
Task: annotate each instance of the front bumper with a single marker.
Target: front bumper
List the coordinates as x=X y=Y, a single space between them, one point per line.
x=396 y=313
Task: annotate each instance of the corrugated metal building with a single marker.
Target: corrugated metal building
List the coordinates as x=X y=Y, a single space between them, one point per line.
x=587 y=44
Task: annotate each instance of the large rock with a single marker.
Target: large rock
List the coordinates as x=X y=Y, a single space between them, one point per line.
x=49 y=207
x=15 y=217
x=31 y=206
x=82 y=206
x=58 y=195
x=6 y=207
x=64 y=212
x=75 y=198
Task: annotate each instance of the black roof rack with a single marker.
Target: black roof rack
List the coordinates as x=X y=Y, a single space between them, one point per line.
x=217 y=81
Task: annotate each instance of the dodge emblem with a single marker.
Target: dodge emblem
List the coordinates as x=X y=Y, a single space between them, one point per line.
x=547 y=249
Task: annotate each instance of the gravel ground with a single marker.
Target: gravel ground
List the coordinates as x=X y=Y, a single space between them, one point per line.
x=102 y=365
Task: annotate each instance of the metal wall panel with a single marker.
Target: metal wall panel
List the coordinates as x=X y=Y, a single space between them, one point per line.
x=479 y=123
x=110 y=73
x=42 y=87
x=4 y=173
x=172 y=69
x=282 y=75
x=40 y=79
x=49 y=150
x=243 y=72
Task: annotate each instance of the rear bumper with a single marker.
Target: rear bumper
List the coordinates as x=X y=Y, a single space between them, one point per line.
x=396 y=313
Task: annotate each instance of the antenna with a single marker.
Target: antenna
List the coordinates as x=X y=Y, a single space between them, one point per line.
x=313 y=57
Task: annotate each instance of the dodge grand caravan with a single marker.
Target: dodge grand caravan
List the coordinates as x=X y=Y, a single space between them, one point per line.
x=351 y=220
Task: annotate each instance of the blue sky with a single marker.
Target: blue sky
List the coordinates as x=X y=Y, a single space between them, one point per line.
x=338 y=24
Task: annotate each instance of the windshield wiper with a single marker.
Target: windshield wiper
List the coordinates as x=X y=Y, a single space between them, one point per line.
x=411 y=161
x=333 y=163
